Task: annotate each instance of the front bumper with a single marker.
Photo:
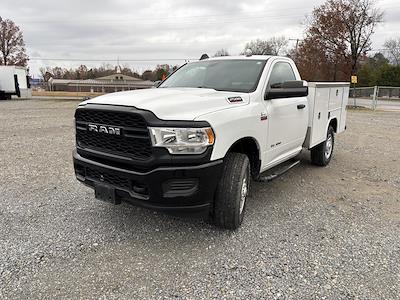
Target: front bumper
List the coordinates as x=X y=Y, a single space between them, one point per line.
x=177 y=190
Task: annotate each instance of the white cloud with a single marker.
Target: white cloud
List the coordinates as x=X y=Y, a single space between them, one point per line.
x=149 y=30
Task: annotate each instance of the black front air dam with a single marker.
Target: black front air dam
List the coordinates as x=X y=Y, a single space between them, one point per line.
x=177 y=190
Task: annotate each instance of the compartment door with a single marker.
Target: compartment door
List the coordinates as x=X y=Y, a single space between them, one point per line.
x=335 y=98
x=320 y=116
x=343 y=115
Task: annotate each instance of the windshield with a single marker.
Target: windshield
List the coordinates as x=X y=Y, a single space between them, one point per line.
x=221 y=75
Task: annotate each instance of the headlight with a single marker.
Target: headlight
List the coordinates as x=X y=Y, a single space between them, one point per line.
x=182 y=140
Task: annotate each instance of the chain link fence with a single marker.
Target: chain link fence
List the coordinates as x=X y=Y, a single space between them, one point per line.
x=377 y=97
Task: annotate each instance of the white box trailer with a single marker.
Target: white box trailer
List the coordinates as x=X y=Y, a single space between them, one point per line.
x=328 y=101
x=14 y=81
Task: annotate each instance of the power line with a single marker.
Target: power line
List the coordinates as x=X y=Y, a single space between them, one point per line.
x=377 y=50
x=110 y=60
x=138 y=60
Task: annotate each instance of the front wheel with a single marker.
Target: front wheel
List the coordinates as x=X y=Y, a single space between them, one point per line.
x=232 y=191
x=321 y=154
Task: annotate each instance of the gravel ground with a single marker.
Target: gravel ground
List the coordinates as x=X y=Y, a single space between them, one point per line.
x=314 y=233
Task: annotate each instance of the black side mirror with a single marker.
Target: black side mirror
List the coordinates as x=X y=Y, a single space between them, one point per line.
x=287 y=89
x=157 y=83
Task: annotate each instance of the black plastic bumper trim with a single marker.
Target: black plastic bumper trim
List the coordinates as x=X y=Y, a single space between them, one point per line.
x=210 y=164
x=194 y=199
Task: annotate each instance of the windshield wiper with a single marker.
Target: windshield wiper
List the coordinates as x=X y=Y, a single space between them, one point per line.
x=207 y=87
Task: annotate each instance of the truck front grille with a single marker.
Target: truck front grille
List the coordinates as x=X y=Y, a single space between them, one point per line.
x=133 y=142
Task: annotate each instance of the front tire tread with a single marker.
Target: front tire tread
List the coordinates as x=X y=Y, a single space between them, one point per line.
x=227 y=198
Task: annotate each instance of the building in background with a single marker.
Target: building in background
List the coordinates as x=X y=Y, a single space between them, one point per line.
x=108 y=84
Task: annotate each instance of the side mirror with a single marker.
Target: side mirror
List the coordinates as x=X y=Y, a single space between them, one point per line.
x=157 y=83
x=287 y=89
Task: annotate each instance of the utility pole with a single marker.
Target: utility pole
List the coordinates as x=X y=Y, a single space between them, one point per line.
x=297 y=44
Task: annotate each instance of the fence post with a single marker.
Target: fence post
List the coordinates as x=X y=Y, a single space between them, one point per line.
x=375 y=97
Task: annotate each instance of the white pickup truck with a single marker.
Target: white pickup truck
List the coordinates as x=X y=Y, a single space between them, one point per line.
x=194 y=143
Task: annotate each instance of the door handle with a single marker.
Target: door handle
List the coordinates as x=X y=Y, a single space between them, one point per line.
x=301 y=106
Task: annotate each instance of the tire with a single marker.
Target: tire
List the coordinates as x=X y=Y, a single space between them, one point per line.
x=321 y=154
x=232 y=192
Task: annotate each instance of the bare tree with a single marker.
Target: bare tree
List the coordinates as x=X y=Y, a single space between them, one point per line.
x=221 y=52
x=272 y=46
x=278 y=45
x=345 y=27
x=81 y=72
x=12 y=46
x=44 y=72
x=393 y=47
x=316 y=63
x=258 y=47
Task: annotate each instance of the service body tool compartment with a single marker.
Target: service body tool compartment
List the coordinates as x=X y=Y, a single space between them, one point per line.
x=327 y=101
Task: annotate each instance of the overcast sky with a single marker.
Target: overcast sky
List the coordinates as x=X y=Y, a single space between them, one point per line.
x=159 y=30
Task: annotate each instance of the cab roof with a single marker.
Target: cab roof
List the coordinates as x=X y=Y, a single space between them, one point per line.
x=253 y=57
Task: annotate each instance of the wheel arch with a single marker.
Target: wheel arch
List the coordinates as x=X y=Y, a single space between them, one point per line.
x=334 y=123
x=249 y=146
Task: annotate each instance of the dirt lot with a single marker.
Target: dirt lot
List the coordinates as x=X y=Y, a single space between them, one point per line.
x=315 y=233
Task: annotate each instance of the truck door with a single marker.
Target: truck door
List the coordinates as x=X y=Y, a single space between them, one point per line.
x=287 y=117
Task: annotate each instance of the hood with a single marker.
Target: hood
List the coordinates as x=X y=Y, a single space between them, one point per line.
x=175 y=103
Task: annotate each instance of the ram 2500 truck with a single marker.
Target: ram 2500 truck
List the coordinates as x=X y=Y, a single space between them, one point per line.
x=194 y=144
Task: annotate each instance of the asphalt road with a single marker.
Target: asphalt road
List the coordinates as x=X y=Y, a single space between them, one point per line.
x=314 y=233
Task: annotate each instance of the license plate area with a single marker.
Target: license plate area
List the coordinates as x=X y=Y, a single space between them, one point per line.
x=105 y=193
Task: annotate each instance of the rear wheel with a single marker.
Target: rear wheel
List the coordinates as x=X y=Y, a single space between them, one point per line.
x=232 y=191
x=321 y=154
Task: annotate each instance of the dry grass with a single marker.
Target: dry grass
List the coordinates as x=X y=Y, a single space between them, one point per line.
x=64 y=94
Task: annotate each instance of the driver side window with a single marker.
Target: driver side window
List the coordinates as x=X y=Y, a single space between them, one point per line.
x=281 y=72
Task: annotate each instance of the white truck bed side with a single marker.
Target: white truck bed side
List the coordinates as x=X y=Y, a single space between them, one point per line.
x=327 y=101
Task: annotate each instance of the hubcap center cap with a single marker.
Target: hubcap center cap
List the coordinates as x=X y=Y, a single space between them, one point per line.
x=328 y=148
x=243 y=194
